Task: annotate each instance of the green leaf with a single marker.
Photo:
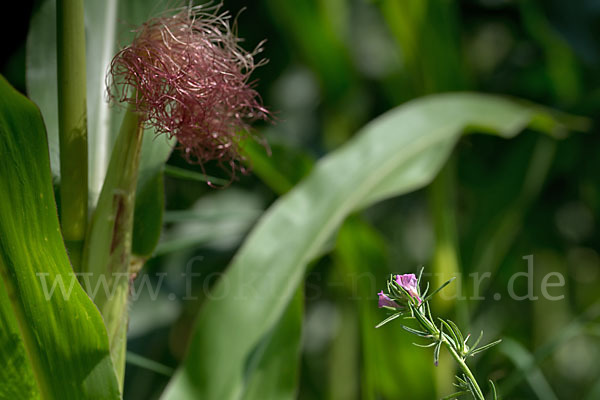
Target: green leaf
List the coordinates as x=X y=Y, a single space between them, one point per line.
x=150 y=198
x=520 y=176
x=318 y=42
x=472 y=387
x=410 y=24
x=150 y=365
x=455 y=395
x=388 y=319
x=426 y=346
x=16 y=369
x=147 y=223
x=182 y=173
x=219 y=219
x=423 y=320
x=493 y=389
x=485 y=347
x=453 y=337
x=474 y=346
x=460 y=343
x=398 y=152
x=420 y=277
x=438 y=289
x=526 y=364
x=279 y=168
x=416 y=332
x=436 y=353
x=64 y=338
x=275 y=373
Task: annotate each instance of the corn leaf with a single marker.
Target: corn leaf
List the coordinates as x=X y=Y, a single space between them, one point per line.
x=398 y=152
x=53 y=345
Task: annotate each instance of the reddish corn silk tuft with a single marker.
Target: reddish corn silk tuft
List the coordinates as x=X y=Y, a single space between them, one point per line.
x=188 y=77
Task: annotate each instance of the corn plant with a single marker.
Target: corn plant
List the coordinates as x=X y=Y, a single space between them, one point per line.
x=81 y=186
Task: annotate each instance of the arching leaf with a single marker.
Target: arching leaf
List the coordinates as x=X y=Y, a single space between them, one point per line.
x=399 y=152
x=53 y=342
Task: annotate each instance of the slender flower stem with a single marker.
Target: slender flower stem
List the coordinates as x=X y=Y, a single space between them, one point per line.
x=423 y=320
x=465 y=368
x=72 y=118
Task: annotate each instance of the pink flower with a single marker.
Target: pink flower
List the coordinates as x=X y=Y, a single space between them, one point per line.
x=188 y=77
x=385 y=301
x=409 y=283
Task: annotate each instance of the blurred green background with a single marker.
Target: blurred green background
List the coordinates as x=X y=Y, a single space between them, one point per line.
x=333 y=66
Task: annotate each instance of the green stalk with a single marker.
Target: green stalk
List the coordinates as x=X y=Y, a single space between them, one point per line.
x=430 y=327
x=72 y=121
x=107 y=252
x=464 y=368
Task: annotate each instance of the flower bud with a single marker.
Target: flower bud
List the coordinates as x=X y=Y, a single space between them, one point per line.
x=387 y=302
x=409 y=283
